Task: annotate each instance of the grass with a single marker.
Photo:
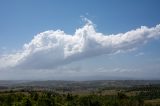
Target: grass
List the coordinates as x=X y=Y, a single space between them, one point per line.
x=153 y=101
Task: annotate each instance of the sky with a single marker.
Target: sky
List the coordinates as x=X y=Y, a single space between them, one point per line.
x=79 y=40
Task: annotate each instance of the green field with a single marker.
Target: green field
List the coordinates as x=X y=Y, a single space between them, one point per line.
x=121 y=93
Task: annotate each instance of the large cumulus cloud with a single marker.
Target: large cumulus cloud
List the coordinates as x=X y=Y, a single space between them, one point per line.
x=50 y=49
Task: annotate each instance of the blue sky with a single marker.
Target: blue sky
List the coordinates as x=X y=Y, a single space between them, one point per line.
x=21 y=20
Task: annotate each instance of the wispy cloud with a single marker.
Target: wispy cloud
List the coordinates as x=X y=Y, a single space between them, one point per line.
x=140 y=54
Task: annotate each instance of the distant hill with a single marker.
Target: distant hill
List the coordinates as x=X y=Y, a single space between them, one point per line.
x=94 y=83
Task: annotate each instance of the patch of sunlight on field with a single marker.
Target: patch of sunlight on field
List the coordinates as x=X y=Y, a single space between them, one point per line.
x=153 y=101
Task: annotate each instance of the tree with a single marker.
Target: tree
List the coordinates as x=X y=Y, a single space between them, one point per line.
x=26 y=102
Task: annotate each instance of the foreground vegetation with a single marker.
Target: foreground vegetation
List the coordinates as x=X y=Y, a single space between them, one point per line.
x=133 y=96
x=53 y=99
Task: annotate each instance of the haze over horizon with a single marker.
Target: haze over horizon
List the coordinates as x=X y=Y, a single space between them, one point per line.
x=79 y=40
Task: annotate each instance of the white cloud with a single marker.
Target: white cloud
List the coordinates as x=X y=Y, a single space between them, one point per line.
x=50 y=49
